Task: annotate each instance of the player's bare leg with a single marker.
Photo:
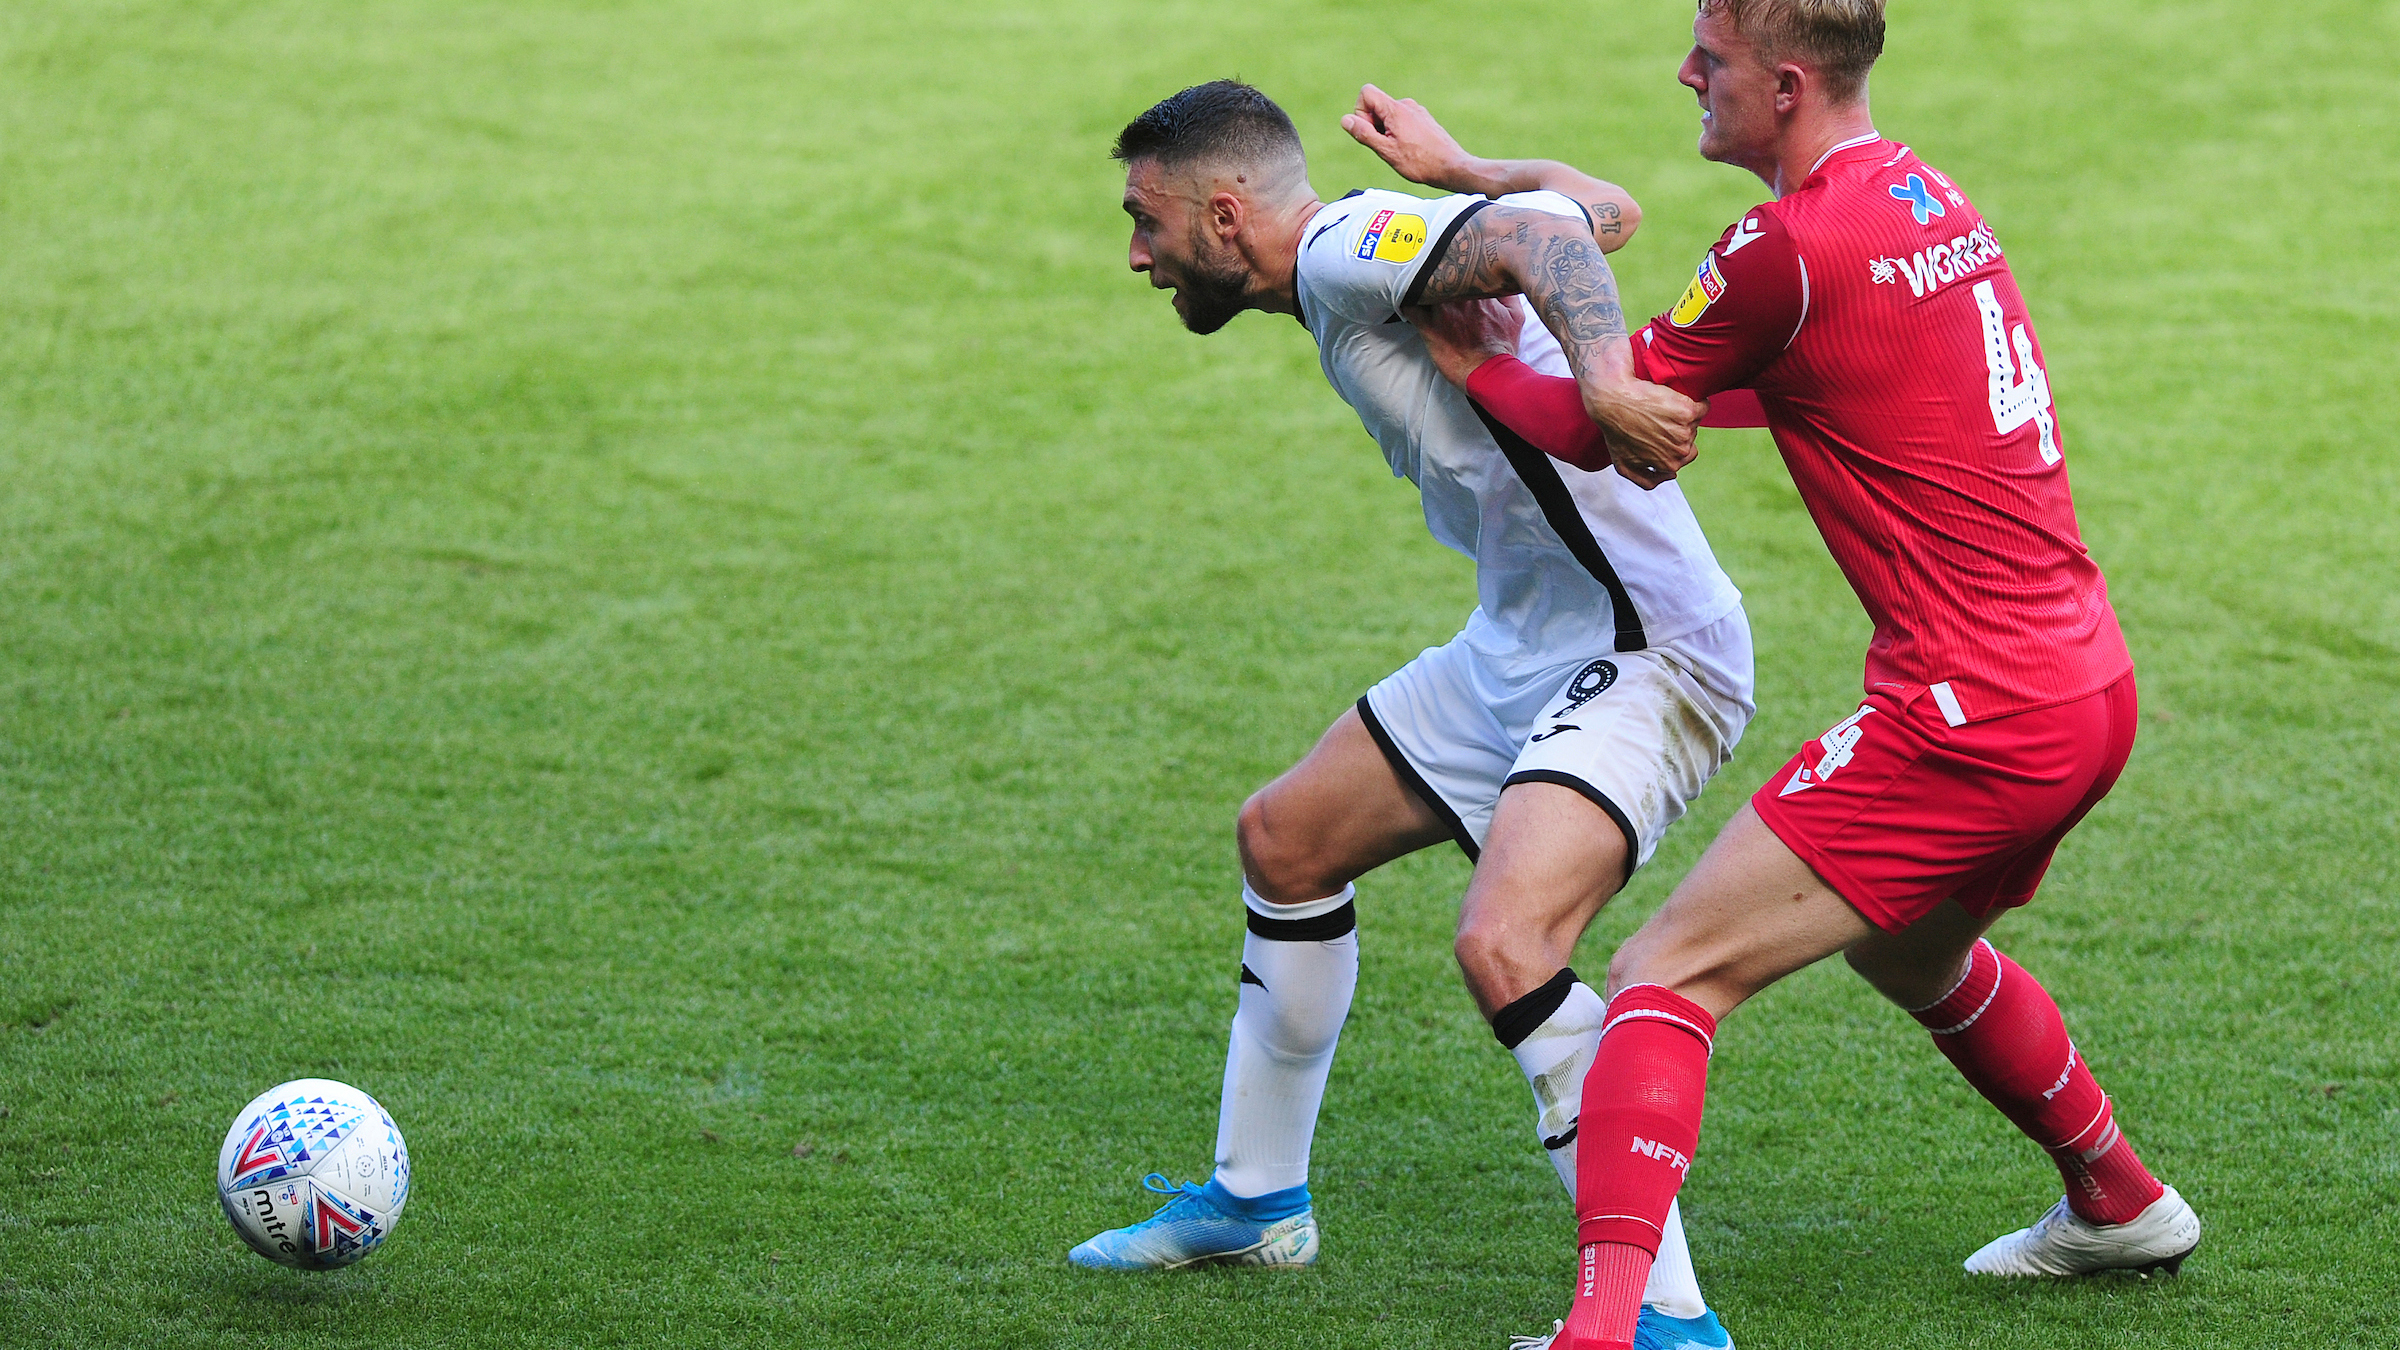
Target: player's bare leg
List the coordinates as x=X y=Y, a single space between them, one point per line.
x=2004 y=1033
x=1551 y=860
x=1330 y=819
x=1750 y=913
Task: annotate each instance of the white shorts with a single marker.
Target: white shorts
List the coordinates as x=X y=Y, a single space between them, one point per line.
x=1639 y=733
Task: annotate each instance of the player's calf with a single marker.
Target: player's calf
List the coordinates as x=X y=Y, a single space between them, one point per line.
x=2006 y=1036
x=1554 y=1033
x=1299 y=969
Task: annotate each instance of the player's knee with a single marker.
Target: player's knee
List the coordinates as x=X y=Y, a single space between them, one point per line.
x=1283 y=869
x=1718 y=976
x=1494 y=962
x=1478 y=949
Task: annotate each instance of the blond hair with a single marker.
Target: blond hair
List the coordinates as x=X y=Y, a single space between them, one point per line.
x=1839 y=38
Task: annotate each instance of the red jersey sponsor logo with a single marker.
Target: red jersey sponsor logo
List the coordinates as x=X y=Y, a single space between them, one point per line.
x=1930 y=269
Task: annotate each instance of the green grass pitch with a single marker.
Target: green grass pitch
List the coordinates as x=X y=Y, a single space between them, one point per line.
x=639 y=581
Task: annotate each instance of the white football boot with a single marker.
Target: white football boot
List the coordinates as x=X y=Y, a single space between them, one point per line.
x=2062 y=1243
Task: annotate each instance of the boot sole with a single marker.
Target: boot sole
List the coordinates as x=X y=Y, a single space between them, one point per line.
x=2173 y=1265
x=1232 y=1258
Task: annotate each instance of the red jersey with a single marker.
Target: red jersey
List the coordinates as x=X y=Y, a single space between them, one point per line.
x=1874 y=313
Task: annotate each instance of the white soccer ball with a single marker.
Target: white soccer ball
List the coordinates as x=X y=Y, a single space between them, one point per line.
x=313 y=1174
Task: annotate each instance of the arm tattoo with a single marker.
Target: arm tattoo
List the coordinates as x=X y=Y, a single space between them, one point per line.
x=1552 y=260
x=1607 y=219
x=1580 y=298
x=1472 y=267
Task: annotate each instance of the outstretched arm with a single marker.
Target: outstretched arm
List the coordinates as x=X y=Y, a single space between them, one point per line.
x=1419 y=150
x=1556 y=262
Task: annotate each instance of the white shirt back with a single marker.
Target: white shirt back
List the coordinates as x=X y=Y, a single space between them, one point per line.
x=1562 y=557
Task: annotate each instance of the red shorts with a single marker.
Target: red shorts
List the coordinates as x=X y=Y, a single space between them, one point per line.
x=1898 y=810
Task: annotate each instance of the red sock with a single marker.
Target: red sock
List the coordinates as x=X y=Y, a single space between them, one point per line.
x=1608 y=1297
x=1640 y=1125
x=2003 y=1031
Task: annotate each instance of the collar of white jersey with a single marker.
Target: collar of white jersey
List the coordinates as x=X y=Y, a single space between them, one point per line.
x=1853 y=143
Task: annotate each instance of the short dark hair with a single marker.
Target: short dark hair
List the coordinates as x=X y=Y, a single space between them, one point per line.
x=1222 y=119
x=1841 y=38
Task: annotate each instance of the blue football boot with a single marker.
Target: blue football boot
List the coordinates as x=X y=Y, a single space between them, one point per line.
x=1208 y=1223
x=1655 y=1331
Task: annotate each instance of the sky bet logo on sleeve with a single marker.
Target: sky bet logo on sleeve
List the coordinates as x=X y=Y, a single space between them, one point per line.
x=1391 y=237
x=1697 y=297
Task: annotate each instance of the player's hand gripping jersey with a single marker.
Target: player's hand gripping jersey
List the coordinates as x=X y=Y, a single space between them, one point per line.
x=1874 y=313
x=1559 y=553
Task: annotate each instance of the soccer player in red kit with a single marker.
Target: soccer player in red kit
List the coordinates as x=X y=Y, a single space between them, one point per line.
x=1873 y=312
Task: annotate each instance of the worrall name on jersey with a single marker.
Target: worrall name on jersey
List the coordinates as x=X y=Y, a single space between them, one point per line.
x=1930 y=269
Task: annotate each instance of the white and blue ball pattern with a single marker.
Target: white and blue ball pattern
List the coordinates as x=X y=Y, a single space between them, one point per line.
x=313 y=1174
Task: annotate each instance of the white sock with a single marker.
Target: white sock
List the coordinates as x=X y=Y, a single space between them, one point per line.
x=1674 y=1287
x=1554 y=1032
x=1299 y=969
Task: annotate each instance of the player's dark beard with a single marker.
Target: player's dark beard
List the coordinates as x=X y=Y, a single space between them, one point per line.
x=1214 y=289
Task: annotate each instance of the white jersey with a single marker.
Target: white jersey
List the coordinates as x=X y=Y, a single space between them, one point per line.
x=1560 y=554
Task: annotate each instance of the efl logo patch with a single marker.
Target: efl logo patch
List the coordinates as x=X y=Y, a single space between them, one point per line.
x=1391 y=237
x=1707 y=285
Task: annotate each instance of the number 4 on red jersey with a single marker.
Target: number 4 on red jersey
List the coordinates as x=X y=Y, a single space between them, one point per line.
x=1873 y=312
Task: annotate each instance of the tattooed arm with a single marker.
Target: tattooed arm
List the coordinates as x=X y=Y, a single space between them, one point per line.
x=1553 y=261
x=1556 y=263
x=1419 y=150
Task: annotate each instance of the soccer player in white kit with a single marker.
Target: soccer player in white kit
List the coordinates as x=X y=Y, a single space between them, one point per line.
x=1603 y=677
